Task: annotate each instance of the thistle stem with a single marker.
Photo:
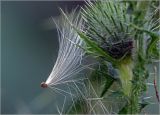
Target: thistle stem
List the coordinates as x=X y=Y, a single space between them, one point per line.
x=126 y=75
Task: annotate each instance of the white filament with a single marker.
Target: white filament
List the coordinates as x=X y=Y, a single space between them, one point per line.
x=69 y=55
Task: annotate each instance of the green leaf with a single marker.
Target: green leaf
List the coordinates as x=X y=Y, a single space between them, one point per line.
x=79 y=107
x=143 y=105
x=108 y=83
x=154 y=38
x=155 y=52
x=94 y=48
x=123 y=110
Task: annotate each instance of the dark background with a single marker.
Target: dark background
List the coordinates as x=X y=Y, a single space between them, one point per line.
x=29 y=47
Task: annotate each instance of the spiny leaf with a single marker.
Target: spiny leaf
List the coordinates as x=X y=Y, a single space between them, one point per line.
x=108 y=83
x=123 y=110
x=154 y=38
x=143 y=105
x=80 y=107
x=155 y=52
x=94 y=47
x=127 y=107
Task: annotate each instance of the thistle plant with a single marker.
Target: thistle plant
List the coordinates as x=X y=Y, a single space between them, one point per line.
x=127 y=34
x=107 y=26
x=123 y=37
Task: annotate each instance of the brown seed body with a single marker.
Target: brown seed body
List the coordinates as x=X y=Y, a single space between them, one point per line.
x=44 y=85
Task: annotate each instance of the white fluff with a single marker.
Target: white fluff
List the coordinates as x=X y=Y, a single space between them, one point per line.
x=70 y=54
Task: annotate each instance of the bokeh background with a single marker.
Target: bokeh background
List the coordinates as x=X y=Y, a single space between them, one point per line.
x=29 y=47
x=29 y=50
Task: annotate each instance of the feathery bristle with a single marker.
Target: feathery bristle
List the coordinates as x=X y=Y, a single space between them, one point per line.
x=70 y=55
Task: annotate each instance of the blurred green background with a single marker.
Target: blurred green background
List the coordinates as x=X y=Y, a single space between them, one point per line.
x=29 y=47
